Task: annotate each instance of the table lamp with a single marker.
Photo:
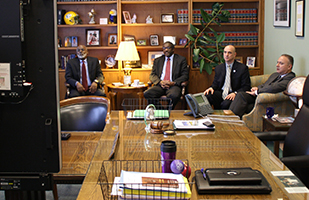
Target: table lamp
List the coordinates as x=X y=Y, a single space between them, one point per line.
x=127 y=52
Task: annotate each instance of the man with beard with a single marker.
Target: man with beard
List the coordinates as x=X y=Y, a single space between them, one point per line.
x=168 y=72
x=84 y=74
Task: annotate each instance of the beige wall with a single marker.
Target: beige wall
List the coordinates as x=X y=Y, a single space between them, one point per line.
x=279 y=40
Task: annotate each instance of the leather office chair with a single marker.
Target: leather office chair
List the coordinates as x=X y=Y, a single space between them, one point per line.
x=84 y=113
x=296 y=141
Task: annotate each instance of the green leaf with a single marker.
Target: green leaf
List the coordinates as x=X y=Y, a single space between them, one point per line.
x=221 y=37
x=208 y=68
x=212 y=49
x=202 y=63
x=223 y=18
x=190 y=38
x=194 y=30
x=205 y=16
x=196 y=53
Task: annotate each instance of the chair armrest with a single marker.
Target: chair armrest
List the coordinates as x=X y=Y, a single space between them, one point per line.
x=296 y=161
x=270 y=97
x=271 y=135
x=150 y=83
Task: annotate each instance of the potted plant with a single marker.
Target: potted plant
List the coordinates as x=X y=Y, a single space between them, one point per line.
x=206 y=42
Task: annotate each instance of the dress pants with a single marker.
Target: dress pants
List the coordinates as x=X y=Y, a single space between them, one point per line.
x=75 y=93
x=157 y=91
x=241 y=103
x=216 y=100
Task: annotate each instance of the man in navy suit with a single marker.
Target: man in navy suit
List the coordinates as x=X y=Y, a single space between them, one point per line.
x=168 y=82
x=230 y=77
x=277 y=82
x=93 y=74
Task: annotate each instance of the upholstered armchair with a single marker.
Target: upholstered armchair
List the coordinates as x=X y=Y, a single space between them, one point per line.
x=281 y=102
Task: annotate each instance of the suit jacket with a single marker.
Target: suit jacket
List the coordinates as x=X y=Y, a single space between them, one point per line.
x=240 y=77
x=73 y=73
x=272 y=85
x=180 y=70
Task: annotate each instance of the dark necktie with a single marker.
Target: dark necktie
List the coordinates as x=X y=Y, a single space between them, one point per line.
x=167 y=70
x=84 y=76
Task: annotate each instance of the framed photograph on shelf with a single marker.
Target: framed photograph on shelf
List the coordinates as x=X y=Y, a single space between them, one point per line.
x=74 y=41
x=282 y=13
x=128 y=38
x=167 y=18
x=299 y=24
x=239 y=59
x=112 y=39
x=93 y=37
x=250 y=62
x=154 y=40
x=127 y=17
x=68 y=41
x=141 y=42
x=183 y=41
x=171 y=39
x=153 y=55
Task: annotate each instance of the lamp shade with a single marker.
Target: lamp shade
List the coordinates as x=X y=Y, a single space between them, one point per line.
x=127 y=51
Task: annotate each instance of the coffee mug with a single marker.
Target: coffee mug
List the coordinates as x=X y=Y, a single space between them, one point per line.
x=136 y=82
x=270 y=111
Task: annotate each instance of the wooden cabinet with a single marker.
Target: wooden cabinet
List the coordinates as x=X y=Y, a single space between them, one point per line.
x=141 y=30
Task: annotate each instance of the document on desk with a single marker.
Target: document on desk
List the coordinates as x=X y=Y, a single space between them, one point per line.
x=194 y=124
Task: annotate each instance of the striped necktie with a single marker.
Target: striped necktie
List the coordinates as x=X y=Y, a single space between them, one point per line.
x=227 y=83
x=84 y=76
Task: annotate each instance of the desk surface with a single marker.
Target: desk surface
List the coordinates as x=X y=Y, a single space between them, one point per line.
x=230 y=145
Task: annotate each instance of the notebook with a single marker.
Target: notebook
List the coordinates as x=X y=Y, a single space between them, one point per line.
x=139 y=114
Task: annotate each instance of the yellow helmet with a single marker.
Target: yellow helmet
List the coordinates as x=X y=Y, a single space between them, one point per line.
x=71 y=18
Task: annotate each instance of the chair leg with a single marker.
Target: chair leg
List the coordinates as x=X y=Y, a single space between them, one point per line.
x=55 y=191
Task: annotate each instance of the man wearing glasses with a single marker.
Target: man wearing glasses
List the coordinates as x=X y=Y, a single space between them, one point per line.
x=168 y=72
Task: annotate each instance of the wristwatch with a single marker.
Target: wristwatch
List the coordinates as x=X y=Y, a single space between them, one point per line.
x=235 y=92
x=96 y=81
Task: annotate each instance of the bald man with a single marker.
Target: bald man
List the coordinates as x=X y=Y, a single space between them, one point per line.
x=230 y=78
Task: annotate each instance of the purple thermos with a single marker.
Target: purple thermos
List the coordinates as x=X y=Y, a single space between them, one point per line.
x=168 y=154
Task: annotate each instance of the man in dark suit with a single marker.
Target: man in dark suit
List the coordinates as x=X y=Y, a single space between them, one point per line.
x=230 y=77
x=168 y=82
x=277 y=82
x=84 y=74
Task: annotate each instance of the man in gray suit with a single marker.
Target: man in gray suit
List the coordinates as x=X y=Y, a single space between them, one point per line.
x=168 y=72
x=84 y=74
x=277 y=82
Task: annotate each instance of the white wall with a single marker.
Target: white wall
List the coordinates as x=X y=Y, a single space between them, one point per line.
x=279 y=40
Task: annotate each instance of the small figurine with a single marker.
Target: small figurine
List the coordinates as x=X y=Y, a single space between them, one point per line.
x=149 y=20
x=134 y=19
x=91 y=15
x=112 y=17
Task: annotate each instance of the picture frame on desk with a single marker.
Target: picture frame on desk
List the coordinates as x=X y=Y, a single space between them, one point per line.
x=183 y=41
x=167 y=18
x=74 y=41
x=171 y=39
x=299 y=17
x=282 y=13
x=68 y=41
x=112 y=39
x=250 y=62
x=141 y=43
x=127 y=17
x=128 y=38
x=154 y=40
x=93 y=37
x=153 y=55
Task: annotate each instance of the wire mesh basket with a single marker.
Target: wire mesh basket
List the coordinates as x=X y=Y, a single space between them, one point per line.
x=134 y=108
x=112 y=169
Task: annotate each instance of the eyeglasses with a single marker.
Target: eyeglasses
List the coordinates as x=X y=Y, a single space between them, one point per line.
x=167 y=48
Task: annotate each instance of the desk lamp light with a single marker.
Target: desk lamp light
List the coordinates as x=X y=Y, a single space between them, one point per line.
x=127 y=52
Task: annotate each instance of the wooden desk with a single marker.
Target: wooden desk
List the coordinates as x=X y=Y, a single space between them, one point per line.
x=117 y=94
x=230 y=145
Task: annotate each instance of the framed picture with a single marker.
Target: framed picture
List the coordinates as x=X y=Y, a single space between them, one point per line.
x=127 y=17
x=183 y=41
x=141 y=42
x=68 y=41
x=171 y=39
x=128 y=38
x=300 y=9
x=167 y=18
x=153 y=55
x=239 y=59
x=251 y=62
x=154 y=40
x=112 y=39
x=74 y=41
x=93 y=37
x=282 y=13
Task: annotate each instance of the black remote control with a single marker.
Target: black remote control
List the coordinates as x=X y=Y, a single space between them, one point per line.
x=208 y=124
x=65 y=136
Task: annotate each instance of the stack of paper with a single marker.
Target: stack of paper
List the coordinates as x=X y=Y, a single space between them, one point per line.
x=143 y=185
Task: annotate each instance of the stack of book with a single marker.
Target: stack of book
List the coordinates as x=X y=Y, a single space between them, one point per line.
x=143 y=185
